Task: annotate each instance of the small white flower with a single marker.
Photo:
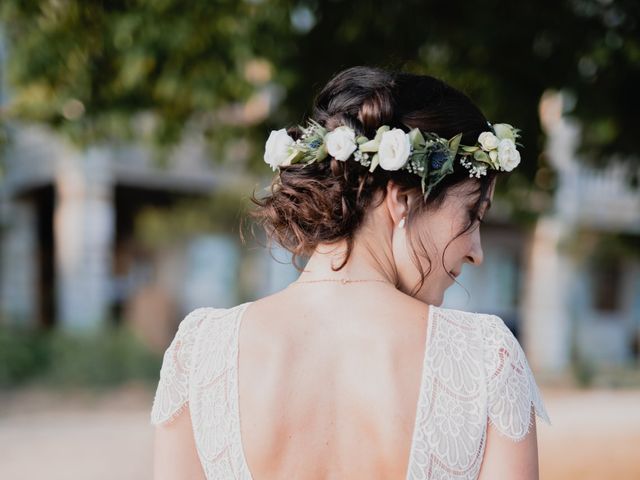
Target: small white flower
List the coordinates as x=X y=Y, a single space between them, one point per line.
x=504 y=131
x=341 y=142
x=488 y=141
x=508 y=156
x=394 y=149
x=277 y=148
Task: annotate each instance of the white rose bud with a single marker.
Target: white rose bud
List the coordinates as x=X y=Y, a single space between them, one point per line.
x=488 y=140
x=276 y=150
x=508 y=156
x=341 y=142
x=394 y=149
x=504 y=131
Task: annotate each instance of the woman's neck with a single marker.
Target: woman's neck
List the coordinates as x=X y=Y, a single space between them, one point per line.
x=362 y=264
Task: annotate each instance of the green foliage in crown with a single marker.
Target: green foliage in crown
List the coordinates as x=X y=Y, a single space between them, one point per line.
x=425 y=154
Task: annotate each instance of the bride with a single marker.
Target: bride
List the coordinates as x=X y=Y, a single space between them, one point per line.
x=355 y=370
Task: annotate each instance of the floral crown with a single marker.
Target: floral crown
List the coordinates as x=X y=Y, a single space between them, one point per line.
x=423 y=153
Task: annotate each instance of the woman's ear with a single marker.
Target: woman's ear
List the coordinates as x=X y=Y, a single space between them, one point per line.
x=398 y=201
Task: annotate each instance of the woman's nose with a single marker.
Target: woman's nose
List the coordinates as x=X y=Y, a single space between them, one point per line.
x=476 y=255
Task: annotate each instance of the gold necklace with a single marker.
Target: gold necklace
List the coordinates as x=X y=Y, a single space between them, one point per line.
x=341 y=280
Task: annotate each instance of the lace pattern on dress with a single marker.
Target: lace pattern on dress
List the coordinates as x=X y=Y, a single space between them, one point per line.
x=199 y=369
x=451 y=418
x=214 y=396
x=474 y=372
x=511 y=386
x=172 y=393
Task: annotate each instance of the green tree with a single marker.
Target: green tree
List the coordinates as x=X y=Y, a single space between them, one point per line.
x=89 y=67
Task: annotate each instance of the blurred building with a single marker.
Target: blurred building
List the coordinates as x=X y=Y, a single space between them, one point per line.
x=566 y=297
x=584 y=296
x=69 y=257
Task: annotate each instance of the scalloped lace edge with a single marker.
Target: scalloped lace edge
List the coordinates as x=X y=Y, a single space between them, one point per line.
x=155 y=420
x=538 y=412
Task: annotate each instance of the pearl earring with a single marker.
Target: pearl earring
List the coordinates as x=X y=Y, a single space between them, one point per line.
x=401 y=223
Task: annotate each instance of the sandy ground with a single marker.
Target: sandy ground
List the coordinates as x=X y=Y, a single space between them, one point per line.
x=67 y=436
x=594 y=435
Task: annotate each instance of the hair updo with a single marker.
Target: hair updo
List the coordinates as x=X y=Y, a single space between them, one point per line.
x=326 y=202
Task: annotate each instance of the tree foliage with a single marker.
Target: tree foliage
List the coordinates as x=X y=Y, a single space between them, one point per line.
x=91 y=68
x=96 y=70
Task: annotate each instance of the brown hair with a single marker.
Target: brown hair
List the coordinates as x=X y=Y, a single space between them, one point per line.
x=326 y=202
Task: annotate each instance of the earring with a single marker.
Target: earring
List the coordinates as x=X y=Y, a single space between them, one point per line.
x=401 y=223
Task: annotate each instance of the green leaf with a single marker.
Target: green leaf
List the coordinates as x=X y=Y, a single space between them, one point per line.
x=482 y=156
x=321 y=153
x=466 y=148
x=454 y=143
x=374 y=162
x=416 y=138
x=370 y=147
x=295 y=156
x=380 y=131
x=504 y=131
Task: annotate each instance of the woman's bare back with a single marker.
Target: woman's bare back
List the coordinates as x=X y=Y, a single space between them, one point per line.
x=329 y=386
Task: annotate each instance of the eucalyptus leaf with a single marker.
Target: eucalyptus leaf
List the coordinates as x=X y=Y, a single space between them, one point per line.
x=504 y=131
x=294 y=157
x=380 y=131
x=321 y=153
x=370 y=147
x=454 y=143
x=374 y=162
x=416 y=138
x=482 y=156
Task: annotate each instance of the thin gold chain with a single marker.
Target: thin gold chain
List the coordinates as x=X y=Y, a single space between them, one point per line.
x=341 y=280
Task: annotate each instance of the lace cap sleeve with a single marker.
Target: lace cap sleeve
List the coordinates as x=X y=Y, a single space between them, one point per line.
x=172 y=393
x=511 y=386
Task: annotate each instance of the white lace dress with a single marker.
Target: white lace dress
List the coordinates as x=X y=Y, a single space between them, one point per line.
x=474 y=371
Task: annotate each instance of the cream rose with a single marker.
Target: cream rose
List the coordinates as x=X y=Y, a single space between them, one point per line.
x=508 y=156
x=488 y=140
x=277 y=148
x=394 y=149
x=341 y=142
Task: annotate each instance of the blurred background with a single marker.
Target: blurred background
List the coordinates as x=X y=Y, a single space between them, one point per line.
x=132 y=135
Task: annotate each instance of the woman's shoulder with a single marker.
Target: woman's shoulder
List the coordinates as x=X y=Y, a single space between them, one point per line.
x=182 y=357
x=489 y=326
x=511 y=387
x=201 y=317
x=200 y=314
x=480 y=322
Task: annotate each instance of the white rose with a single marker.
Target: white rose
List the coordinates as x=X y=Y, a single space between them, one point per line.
x=508 y=156
x=276 y=150
x=394 y=149
x=341 y=142
x=488 y=140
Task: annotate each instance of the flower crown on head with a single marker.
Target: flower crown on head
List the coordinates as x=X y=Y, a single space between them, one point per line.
x=423 y=153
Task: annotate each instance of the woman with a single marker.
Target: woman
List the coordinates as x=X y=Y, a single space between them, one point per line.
x=354 y=370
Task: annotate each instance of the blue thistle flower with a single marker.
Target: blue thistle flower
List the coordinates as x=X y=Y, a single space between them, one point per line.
x=438 y=159
x=315 y=144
